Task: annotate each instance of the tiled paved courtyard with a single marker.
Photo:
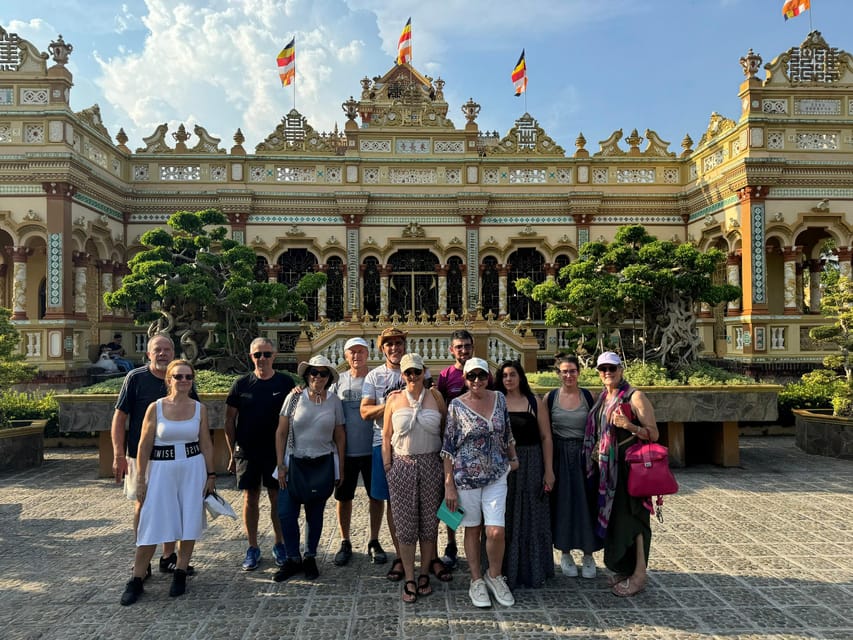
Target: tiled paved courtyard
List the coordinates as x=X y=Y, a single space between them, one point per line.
x=762 y=551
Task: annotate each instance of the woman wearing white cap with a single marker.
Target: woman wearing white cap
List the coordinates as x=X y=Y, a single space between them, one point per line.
x=310 y=437
x=479 y=452
x=411 y=441
x=619 y=417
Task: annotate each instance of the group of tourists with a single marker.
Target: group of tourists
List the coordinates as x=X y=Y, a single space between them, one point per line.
x=525 y=474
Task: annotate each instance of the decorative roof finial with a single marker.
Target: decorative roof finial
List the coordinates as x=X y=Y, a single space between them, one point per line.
x=751 y=63
x=60 y=50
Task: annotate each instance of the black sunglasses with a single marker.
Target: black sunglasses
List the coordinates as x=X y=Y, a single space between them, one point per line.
x=608 y=368
x=318 y=373
x=262 y=354
x=413 y=372
x=477 y=375
x=183 y=376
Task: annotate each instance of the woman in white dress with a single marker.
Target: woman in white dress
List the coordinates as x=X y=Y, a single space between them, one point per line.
x=176 y=458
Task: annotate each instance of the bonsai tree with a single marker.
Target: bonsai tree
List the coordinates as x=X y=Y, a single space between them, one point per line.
x=637 y=275
x=194 y=277
x=837 y=303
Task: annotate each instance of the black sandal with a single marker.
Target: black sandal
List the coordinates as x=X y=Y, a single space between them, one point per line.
x=443 y=574
x=395 y=575
x=412 y=594
x=424 y=587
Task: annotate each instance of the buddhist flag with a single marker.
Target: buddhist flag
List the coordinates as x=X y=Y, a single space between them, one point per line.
x=519 y=75
x=793 y=8
x=404 y=46
x=287 y=63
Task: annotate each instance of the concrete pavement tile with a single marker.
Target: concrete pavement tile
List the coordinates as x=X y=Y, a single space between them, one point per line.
x=672 y=579
x=266 y=626
x=373 y=605
x=479 y=622
x=769 y=618
x=675 y=620
x=575 y=622
x=386 y=626
x=722 y=620
x=695 y=598
x=818 y=617
x=425 y=627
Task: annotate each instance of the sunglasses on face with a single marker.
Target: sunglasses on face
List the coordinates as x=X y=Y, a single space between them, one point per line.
x=183 y=376
x=567 y=372
x=476 y=375
x=412 y=373
x=462 y=347
x=318 y=373
x=262 y=354
x=608 y=368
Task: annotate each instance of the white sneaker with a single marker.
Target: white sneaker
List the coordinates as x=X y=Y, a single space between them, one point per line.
x=478 y=594
x=567 y=564
x=588 y=569
x=499 y=589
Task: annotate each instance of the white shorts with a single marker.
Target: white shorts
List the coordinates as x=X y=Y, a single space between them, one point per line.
x=130 y=478
x=486 y=505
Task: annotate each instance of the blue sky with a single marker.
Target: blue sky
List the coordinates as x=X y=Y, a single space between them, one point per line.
x=594 y=66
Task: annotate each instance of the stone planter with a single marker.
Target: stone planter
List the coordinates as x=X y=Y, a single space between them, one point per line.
x=94 y=414
x=823 y=434
x=22 y=447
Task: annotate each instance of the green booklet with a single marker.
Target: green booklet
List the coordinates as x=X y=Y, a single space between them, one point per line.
x=448 y=517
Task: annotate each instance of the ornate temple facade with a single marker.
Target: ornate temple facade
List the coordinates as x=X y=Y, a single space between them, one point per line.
x=417 y=221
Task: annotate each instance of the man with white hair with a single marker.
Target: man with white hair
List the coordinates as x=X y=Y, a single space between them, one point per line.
x=359 y=447
x=140 y=388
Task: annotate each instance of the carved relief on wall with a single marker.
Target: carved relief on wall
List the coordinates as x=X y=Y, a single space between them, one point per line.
x=526 y=138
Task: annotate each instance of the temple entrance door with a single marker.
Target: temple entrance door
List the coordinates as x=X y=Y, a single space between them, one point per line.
x=413 y=287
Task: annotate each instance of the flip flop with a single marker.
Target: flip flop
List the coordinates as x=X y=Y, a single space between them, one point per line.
x=394 y=574
x=443 y=574
x=626 y=588
x=615 y=579
x=410 y=595
x=424 y=587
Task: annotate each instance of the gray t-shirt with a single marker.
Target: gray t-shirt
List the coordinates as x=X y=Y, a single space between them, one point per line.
x=312 y=425
x=359 y=431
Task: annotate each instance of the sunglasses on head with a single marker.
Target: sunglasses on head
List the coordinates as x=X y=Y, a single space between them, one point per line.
x=608 y=368
x=477 y=375
x=183 y=376
x=409 y=373
x=262 y=354
x=318 y=373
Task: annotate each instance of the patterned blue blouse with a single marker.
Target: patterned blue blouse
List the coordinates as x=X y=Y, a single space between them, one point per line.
x=477 y=444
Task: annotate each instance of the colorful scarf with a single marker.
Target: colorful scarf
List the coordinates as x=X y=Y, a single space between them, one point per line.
x=601 y=432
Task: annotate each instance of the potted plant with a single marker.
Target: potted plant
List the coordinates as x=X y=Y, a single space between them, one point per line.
x=816 y=432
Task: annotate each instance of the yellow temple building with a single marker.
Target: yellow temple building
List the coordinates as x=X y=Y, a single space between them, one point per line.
x=419 y=222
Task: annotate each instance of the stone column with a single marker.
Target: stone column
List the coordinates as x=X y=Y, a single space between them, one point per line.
x=321 y=293
x=815 y=269
x=272 y=273
x=441 y=312
x=791 y=256
x=503 y=271
x=733 y=278
x=801 y=294
x=753 y=264
x=844 y=255
x=81 y=264
x=19 y=282
x=106 y=267
x=384 y=282
x=4 y=295
x=59 y=292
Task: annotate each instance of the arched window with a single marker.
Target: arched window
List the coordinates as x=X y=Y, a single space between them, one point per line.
x=524 y=263
x=335 y=289
x=413 y=288
x=372 y=287
x=489 y=288
x=295 y=263
x=455 y=291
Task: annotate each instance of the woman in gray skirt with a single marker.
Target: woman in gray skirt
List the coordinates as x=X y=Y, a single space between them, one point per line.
x=572 y=523
x=529 y=556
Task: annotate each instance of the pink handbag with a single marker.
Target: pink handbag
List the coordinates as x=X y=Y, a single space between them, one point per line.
x=649 y=474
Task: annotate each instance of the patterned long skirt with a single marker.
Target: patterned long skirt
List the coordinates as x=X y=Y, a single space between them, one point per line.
x=416 y=484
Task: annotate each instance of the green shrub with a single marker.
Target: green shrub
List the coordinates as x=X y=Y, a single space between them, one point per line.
x=815 y=390
x=28 y=405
